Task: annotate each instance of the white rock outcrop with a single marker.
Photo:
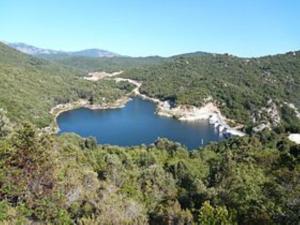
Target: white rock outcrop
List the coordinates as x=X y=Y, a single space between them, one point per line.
x=295 y=138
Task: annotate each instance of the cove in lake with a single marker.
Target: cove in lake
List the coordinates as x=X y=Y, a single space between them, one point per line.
x=135 y=124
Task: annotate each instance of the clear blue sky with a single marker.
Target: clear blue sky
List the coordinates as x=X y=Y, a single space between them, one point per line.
x=155 y=27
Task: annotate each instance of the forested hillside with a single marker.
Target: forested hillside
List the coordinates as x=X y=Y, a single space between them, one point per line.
x=243 y=88
x=51 y=179
x=86 y=64
x=30 y=86
x=68 y=180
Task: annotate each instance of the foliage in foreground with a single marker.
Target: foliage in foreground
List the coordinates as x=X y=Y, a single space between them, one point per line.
x=67 y=179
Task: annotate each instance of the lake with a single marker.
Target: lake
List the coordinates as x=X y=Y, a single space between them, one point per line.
x=135 y=124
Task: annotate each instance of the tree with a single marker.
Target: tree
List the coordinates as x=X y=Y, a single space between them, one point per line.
x=28 y=175
x=210 y=215
x=90 y=143
x=91 y=100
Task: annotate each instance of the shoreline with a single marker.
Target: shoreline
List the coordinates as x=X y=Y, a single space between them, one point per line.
x=187 y=113
x=82 y=103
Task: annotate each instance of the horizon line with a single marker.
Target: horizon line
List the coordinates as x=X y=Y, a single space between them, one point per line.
x=150 y=55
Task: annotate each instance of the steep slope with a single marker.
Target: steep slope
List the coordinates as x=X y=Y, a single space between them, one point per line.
x=250 y=91
x=30 y=86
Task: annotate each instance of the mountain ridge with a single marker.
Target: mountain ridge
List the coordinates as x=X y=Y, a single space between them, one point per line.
x=101 y=53
x=36 y=51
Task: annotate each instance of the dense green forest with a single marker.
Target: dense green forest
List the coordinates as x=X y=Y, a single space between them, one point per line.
x=66 y=179
x=240 y=86
x=87 y=64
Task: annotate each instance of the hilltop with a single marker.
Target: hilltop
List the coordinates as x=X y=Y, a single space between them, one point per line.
x=49 y=53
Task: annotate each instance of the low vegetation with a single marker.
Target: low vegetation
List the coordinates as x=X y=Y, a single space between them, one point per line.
x=67 y=180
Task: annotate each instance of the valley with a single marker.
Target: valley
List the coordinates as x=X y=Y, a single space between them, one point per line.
x=149 y=112
x=127 y=174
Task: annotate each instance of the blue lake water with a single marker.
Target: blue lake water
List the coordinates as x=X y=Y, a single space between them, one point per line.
x=135 y=124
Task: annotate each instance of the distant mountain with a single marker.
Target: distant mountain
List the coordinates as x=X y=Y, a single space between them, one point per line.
x=192 y=54
x=94 y=53
x=32 y=50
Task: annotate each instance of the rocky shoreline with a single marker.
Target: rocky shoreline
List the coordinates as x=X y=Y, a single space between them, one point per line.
x=208 y=112
x=82 y=103
x=188 y=113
